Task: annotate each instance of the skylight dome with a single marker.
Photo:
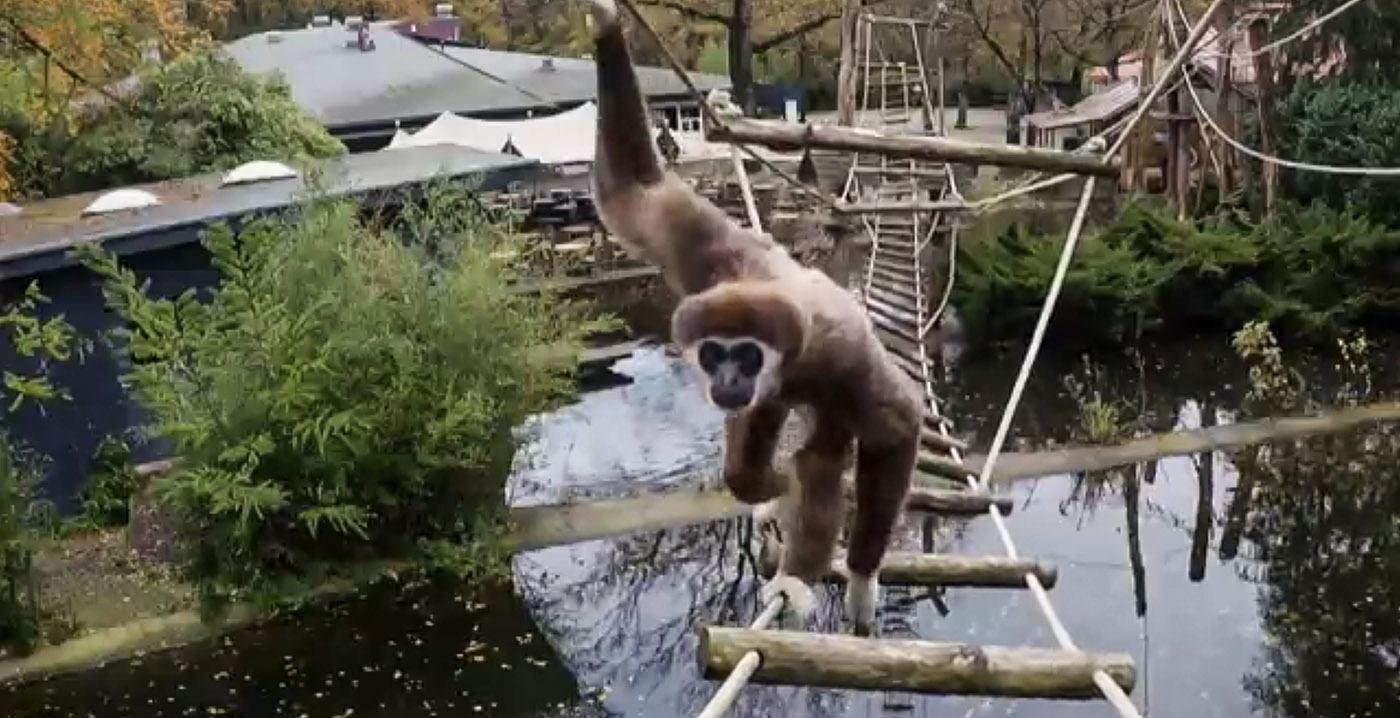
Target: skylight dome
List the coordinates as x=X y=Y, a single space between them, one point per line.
x=258 y=171
x=121 y=199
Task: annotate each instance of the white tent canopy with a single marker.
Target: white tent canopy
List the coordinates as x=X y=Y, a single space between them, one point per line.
x=564 y=138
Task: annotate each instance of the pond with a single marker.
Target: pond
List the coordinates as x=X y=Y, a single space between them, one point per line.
x=1284 y=605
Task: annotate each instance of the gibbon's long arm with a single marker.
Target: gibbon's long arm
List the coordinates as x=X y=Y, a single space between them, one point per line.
x=648 y=209
x=626 y=159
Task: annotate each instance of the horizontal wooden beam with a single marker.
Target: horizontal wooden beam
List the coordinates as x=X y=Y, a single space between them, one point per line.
x=793 y=136
x=905 y=568
x=886 y=664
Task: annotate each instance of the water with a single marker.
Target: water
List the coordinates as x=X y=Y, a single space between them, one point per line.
x=1302 y=621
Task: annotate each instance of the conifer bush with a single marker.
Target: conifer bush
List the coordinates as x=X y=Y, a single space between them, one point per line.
x=345 y=393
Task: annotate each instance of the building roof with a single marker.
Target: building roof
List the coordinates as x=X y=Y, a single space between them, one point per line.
x=1100 y=106
x=569 y=79
x=49 y=228
x=400 y=78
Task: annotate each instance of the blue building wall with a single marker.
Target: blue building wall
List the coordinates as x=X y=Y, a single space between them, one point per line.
x=65 y=434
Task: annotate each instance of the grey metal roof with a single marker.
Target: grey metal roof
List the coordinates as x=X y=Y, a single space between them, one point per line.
x=571 y=79
x=56 y=225
x=401 y=78
x=1097 y=107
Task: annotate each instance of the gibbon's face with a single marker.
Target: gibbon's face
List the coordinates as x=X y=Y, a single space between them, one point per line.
x=737 y=372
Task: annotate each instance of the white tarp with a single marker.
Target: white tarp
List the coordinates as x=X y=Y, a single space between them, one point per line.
x=564 y=138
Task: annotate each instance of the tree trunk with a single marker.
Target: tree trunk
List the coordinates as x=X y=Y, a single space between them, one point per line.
x=846 y=79
x=1264 y=81
x=964 y=72
x=1224 y=115
x=741 y=54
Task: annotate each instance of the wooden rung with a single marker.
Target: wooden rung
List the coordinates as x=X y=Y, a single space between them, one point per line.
x=947 y=502
x=943 y=466
x=931 y=437
x=889 y=207
x=907 y=568
x=899 y=171
x=884 y=664
x=793 y=136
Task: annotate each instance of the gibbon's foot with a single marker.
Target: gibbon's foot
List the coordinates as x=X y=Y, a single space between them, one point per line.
x=862 y=593
x=801 y=605
x=604 y=14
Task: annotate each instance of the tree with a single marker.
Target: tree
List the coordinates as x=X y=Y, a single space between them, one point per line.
x=69 y=125
x=200 y=113
x=52 y=52
x=778 y=24
x=1369 y=36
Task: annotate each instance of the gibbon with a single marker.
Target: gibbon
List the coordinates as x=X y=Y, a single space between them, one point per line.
x=766 y=335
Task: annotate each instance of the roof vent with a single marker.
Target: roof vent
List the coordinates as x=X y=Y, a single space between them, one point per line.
x=547 y=64
x=274 y=37
x=354 y=22
x=443 y=9
x=257 y=171
x=320 y=21
x=121 y=199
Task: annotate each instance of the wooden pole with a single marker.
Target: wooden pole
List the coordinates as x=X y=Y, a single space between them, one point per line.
x=847 y=76
x=886 y=664
x=1224 y=114
x=939 y=569
x=792 y=136
x=1264 y=82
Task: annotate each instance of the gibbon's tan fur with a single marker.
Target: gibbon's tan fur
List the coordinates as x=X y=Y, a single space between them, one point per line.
x=737 y=284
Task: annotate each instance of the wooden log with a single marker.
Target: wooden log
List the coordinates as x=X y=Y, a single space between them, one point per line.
x=931 y=437
x=949 y=502
x=883 y=664
x=792 y=136
x=943 y=466
x=938 y=569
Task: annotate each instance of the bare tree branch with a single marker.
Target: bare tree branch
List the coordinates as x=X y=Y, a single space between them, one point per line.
x=693 y=13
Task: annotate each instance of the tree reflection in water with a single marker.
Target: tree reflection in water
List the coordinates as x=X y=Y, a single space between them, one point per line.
x=1324 y=529
x=621 y=613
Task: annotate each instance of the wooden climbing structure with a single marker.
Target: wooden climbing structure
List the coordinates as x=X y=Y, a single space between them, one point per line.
x=901 y=188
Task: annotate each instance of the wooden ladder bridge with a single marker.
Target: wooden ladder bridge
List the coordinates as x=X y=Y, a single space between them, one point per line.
x=908 y=208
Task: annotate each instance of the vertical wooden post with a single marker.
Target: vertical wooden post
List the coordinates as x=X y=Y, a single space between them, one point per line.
x=1264 y=81
x=1169 y=184
x=848 y=74
x=1224 y=114
x=1140 y=147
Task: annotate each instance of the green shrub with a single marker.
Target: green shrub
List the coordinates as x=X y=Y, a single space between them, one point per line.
x=106 y=495
x=42 y=342
x=340 y=396
x=1336 y=122
x=1309 y=269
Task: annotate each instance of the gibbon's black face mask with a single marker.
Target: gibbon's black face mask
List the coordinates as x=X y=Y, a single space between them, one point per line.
x=733 y=371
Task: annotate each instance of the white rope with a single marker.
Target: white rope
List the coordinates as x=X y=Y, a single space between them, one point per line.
x=1349 y=4
x=1271 y=159
x=728 y=692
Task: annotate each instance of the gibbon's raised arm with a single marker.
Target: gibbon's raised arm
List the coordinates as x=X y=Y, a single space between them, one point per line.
x=626 y=158
x=646 y=208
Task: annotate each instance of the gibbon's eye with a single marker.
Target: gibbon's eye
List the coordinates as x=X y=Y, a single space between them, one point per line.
x=749 y=358
x=710 y=355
